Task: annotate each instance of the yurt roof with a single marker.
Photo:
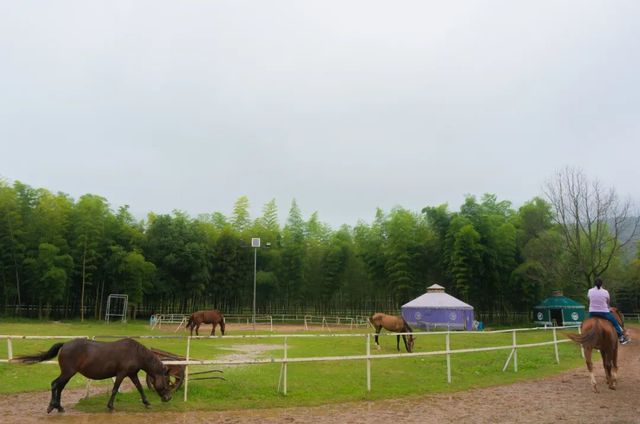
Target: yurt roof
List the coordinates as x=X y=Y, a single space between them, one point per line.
x=436 y=298
x=559 y=302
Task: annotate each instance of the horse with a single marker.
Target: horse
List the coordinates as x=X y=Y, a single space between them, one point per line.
x=599 y=333
x=395 y=324
x=100 y=360
x=214 y=317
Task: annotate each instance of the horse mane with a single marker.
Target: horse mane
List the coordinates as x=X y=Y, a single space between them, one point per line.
x=148 y=354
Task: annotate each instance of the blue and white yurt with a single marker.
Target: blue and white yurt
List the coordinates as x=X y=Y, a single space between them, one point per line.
x=437 y=309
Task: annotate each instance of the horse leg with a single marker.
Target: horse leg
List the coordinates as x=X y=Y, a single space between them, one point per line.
x=614 y=366
x=587 y=358
x=136 y=382
x=54 y=403
x=114 y=391
x=197 y=328
x=213 y=329
x=398 y=342
x=606 y=362
x=378 y=329
x=611 y=366
x=404 y=339
x=62 y=382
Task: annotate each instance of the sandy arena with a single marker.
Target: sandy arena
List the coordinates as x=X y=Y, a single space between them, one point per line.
x=564 y=398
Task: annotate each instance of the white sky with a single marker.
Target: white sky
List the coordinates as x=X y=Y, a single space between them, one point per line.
x=343 y=105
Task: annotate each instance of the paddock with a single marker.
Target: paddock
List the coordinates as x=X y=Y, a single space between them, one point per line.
x=268 y=364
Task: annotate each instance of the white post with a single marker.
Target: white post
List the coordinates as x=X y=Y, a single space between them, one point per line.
x=9 y=349
x=255 y=262
x=285 y=365
x=555 y=345
x=515 y=352
x=447 y=348
x=368 y=362
x=186 y=369
x=581 y=347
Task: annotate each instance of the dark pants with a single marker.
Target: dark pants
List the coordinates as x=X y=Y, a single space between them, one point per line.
x=610 y=317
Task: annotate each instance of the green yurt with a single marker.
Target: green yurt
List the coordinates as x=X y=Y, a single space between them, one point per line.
x=558 y=310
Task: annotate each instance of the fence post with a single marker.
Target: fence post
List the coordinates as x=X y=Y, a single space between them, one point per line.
x=555 y=345
x=285 y=365
x=368 y=362
x=515 y=352
x=448 y=347
x=581 y=347
x=186 y=369
x=9 y=348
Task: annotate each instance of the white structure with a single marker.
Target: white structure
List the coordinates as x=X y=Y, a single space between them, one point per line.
x=117 y=307
x=437 y=309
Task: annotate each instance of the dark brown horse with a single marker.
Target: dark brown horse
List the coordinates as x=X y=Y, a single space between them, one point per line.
x=100 y=360
x=599 y=333
x=395 y=324
x=214 y=317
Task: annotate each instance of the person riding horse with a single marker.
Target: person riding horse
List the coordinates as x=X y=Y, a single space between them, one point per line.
x=599 y=307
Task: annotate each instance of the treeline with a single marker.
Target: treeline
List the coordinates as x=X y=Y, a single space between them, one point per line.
x=66 y=256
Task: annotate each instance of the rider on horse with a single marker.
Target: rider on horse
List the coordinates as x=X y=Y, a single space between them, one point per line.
x=599 y=307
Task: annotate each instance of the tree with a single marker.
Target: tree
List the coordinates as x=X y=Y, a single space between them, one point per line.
x=595 y=223
x=241 y=219
x=49 y=274
x=90 y=215
x=11 y=243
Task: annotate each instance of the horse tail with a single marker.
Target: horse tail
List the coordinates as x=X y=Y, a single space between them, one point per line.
x=44 y=356
x=590 y=336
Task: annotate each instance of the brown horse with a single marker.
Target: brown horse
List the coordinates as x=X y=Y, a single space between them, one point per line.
x=395 y=324
x=599 y=333
x=214 y=317
x=100 y=360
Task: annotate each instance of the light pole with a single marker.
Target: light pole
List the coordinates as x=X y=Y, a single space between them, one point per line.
x=255 y=243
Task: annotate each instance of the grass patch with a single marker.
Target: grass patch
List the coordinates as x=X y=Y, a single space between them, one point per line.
x=255 y=386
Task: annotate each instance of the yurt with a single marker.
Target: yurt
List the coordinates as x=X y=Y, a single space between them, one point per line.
x=558 y=310
x=438 y=310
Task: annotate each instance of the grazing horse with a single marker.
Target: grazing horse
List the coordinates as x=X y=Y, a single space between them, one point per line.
x=395 y=324
x=599 y=333
x=214 y=317
x=100 y=360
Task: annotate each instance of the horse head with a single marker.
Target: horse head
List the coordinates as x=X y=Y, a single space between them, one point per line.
x=410 y=341
x=160 y=381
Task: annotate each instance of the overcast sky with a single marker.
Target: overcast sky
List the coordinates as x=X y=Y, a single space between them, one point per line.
x=345 y=106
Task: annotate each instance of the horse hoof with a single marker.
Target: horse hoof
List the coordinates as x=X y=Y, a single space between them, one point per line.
x=49 y=409
x=595 y=390
x=60 y=409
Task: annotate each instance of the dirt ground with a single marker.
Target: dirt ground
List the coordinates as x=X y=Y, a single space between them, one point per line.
x=564 y=398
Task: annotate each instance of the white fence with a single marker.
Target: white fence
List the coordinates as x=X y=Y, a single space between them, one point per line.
x=157 y=320
x=367 y=356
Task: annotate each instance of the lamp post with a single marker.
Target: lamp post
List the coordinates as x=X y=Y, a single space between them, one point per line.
x=255 y=243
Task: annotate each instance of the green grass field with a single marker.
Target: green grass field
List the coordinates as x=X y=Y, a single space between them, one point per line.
x=255 y=386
